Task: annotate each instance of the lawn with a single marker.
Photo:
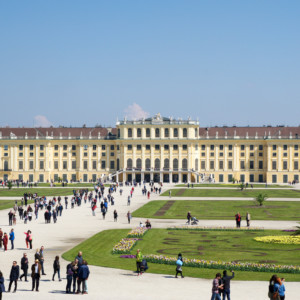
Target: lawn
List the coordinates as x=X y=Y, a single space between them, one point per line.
x=190 y=192
x=75 y=184
x=224 y=246
x=9 y=204
x=231 y=185
x=220 y=210
x=19 y=192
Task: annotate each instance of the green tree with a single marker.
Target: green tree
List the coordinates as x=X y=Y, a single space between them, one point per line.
x=297 y=232
x=9 y=185
x=242 y=186
x=261 y=198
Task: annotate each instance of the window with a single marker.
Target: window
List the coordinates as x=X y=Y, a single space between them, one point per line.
x=56 y=154
x=65 y=154
x=103 y=164
x=202 y=153
x=129 y=132
x=242 y=154
x=94 y=154
x=166 y=132
x=284 y=165
x=65 y=147
x=85 y=147
x=184 y=132
x=296 y=154
x=221 y=178
x=73 y=164
x=56 y=165
x=260 y=147
x=129 y=163
x=148 y=147
x=112 y=147
x=296 y=147
x=65 y=165
x=274 y=147
x=94 y=147
x=296 y=165
x=138 y=147
x=202 y=147
x=175 y=132
x=285 y=147
x=157 y=132
x=274 y=154
x=251 y=154
x=139 y=163
x=21 y=154
x=5 y=147
x=196 y=164
x=211 y=164
x=203 y=164
x=94 y=163
x=175 y=164
x=251 y=164
x=230 y=154
x=212 y=147
x=42 y=154
x=166 y=163
x=242 y=147
x=20 y=165
x=184 y=164
x=42 y=147
x=242 y=164
x=41 y=165
x=175 y=147
x=196 y=147
x=230 y=164
x=285 y=154
x=157 y=164
x=31 y=165
x=221 y=147
x=112 y=164
x=20 y=147
x=229 y=147
x=212 y=154
x=73 y=153
x=274 y=165
x=221 y=164
x=230 y=177
x=148 y=163
x=6 y=154
x=184 y=147
x=251 y=147
x=73 y=147
x=118 y=147
x=103 y=147
x=156 y=147
x=31 y=147
x=85 y=164
x=148 y=132
x=166 y=147
x=129 y=147
x=139 y=132
x=260 y=164
x=260 y=154
x=274 y=178
x=221 y=154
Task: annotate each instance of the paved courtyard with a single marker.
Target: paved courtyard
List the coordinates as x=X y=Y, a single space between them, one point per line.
x=78 y=224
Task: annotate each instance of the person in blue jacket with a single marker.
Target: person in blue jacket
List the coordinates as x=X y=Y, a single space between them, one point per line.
x=280 y=288
x=179 y=264
x=12 y=238
x=83 y=275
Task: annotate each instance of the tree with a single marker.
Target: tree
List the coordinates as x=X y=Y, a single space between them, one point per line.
x=242 y=185
x=9 y=185
x=261 y=198
x=297 y=232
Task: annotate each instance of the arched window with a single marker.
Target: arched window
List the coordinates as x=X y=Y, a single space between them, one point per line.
x=148 y=132
x=139 y=132
x=166 y=132
x=129 y=132
x=157 y=164
x=139 y=163
x=175 y=132
x=184 y=132
x=196 y=164
x=175 y=164
x=184 y=164
x=129 y=163
x=166 y=163
x=148 y=163
x=157 y=132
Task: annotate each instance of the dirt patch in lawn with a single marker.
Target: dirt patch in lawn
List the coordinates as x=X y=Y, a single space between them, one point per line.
x=164 y=209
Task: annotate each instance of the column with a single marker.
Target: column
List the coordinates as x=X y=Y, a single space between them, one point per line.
x=26 y=157
x=107 y=157
x=290 y=158
x=225 y=158
x=143 y=157
x=279 y=158
x=207 y=158
x=12 y=165
x=180 y=157
x=80 y=159
x=152 y=156
x=235 y=158
x=133 y=156
x=217 y=158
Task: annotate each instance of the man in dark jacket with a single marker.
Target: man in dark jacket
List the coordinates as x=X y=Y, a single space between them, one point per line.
x=24 y=266
x=226 y=284
x=14 y=276
x=36 y=275
x=83 y=275
x=79 y=258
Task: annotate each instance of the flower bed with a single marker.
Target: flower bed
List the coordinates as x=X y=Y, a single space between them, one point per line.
x=124 y=246
x=280 y=239
x=215 y=228
x=197 y=263
x=137 y=232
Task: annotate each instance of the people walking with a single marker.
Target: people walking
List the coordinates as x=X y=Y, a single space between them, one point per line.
x=1 y=237
x=42 y=259
x=115 y=216
x=2 y=286
x=129 y=217
x=238 y=220
x=215 y=287
x=179 y=264
x=24 y=267
x=5 y=241
x=248 y=217
x=56 y=268
x=14 y=276
x=28 y=239
x=36 y=275
x=139 y=258
x=226 y=284
x=12 y=238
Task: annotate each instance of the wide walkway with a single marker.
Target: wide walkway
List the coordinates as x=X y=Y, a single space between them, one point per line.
x=78 y=224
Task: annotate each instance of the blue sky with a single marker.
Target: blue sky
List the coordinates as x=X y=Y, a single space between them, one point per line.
x=91 y=62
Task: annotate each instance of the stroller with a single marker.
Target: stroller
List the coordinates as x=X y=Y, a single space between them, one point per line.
x=194 y=221
x=144 y=266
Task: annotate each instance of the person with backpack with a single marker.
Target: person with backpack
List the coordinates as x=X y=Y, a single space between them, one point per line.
x=179 y=264
x=215 y=287
x=226 y=284
x=139 y=258
x=280 y=289
x=273 y=293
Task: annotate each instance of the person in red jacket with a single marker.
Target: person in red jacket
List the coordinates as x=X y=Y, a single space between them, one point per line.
x=5 y=241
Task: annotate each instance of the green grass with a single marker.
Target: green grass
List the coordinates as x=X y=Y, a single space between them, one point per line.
x=225 y=246
x=226 y=185
x=76 y=184
x=185 y=192
x=9 y=204
x=221 y=210
x=19 y=192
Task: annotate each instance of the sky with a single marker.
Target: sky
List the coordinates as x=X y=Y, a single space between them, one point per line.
x=71 y=62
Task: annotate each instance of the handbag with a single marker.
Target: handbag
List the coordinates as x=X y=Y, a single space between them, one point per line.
x=276 y=296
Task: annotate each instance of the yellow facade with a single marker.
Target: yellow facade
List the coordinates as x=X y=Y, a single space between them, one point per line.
x=159 y=149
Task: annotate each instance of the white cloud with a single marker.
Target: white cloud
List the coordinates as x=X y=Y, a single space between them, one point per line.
x=134 y=112
x=41 y=121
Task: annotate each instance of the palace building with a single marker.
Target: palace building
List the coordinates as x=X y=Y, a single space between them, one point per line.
x=157 y=148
